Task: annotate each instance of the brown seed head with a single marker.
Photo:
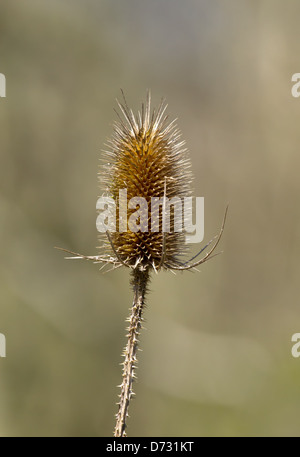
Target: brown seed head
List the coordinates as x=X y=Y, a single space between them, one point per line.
x=147 y=158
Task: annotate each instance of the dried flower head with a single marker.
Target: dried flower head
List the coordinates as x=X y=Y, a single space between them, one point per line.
x=147 y=158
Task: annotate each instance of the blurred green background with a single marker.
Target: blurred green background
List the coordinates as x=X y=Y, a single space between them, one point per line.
x=216 y=354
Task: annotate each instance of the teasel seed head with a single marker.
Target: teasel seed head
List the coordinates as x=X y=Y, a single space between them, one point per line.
x=146 y=157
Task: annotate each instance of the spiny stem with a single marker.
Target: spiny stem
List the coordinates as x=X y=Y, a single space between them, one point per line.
x=139 y=282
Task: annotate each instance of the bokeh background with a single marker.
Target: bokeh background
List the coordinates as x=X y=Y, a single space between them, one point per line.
x=216 y=356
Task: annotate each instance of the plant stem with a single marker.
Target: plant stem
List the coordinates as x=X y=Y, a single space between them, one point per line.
x=139 y=282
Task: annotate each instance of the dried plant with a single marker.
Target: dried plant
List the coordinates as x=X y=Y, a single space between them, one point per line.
x=147 y=157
